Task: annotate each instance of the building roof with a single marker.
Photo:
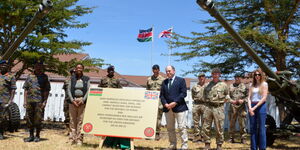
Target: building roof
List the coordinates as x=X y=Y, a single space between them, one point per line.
x=142 y=80
x=126 y=80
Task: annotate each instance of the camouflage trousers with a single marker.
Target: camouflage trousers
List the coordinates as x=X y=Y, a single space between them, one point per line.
x=66 y=112
x=34 y=115
x=216 y=115
x=198 y=111
x=237 y=113
x=159 y=116
x=2 y=119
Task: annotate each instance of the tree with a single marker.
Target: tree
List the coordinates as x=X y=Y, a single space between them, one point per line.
x=48 y=38
x=271 y=27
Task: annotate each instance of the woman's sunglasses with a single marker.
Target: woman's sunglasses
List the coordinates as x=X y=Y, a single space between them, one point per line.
x=257 y=74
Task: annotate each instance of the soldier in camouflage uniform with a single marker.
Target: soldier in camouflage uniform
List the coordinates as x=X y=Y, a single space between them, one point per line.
x=37 y=87
x=238 y=93
x=67 y=101
x=7 y=92
x=198 y=106
x=154 y=83
x=215 y=94
x=111 y=82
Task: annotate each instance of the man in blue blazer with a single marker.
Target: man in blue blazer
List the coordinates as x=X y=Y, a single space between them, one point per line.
x=172 y=94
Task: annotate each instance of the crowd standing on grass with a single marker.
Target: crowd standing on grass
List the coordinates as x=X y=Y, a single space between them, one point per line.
x=208 y=104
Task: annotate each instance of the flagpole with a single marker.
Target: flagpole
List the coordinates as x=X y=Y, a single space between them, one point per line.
x=152 y=45
x=170 y=50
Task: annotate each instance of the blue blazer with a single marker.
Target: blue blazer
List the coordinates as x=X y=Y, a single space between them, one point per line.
x=176 y=93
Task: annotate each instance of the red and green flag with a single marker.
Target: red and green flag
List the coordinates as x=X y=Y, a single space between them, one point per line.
x=145 y=35
x=95 y=92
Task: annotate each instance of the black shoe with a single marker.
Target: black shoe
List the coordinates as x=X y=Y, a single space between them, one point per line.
x=1 y=137
x=29 y=139
x=37 y=139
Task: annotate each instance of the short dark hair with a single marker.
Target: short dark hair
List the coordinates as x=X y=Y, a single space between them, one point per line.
x=111 y=68
x=155 y=67
x=80 y=65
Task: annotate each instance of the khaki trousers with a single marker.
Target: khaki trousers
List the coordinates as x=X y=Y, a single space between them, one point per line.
x=76 y=118
x=180 y=117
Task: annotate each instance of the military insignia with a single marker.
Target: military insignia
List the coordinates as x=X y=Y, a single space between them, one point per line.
x=149 y=132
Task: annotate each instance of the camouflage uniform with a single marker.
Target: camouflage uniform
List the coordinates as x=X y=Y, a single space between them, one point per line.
x=236 y=92
x=108 y=82
x=35 y=85
x=67 y=101
x=215 y=95
x=7 y=84
x=198 y=108
x=154 y=83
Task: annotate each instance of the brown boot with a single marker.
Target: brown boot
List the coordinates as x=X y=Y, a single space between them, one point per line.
x=219 y=146
x=157 y=137
x=207 y=146
x=231 y=140
x=197 y=138
x=243 y=141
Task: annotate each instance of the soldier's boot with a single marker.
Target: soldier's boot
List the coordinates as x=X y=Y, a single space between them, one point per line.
x=207 y=146
x=231 y=140
x=243 y=141
x=197 y=138
x=157 y=136
x=1 y=134
x=219 y=146
x=31 y=136
x=68 y=129
x=37 y=137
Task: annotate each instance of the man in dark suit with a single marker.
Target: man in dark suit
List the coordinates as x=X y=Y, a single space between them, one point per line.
x=172 y=94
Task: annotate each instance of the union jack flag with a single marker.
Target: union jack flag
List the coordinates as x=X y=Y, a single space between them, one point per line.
x=151 y=95
x=166 y=33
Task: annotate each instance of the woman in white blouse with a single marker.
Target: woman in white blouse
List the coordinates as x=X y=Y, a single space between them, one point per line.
x=257 y=110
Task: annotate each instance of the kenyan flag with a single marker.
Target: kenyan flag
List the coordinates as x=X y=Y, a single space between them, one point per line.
x=95 y=92
x=145 y=35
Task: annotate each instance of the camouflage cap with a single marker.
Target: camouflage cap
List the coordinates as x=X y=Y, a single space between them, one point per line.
x=155 y=67
x=201 y=75
x=3 y=62
x=111 y=68
x=215 y=70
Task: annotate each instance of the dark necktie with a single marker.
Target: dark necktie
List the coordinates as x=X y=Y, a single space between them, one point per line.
x=170 y=83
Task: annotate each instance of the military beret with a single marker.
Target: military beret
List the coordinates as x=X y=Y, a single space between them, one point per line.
x=111 y=68
x=155 y=67
x=40 y=62
x=3 y=61
x=201 y=74
x=238 y=75
x=215 y=70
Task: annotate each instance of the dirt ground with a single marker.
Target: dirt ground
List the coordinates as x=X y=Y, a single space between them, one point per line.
x=55 y=139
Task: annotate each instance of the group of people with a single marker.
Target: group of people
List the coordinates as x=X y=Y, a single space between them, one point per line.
x=208 y=104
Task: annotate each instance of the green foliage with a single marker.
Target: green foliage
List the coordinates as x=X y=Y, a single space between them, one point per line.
x=271 y=27
x=48 y=37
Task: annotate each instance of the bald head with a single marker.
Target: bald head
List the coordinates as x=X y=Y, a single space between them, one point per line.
x=170 y=71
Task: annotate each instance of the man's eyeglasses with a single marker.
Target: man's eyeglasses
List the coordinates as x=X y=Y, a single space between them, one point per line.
x=257 y=74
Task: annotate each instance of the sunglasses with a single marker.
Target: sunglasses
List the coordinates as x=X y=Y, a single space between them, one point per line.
x=257 y=74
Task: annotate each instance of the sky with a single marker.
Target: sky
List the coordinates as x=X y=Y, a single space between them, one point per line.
x=114 y=26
